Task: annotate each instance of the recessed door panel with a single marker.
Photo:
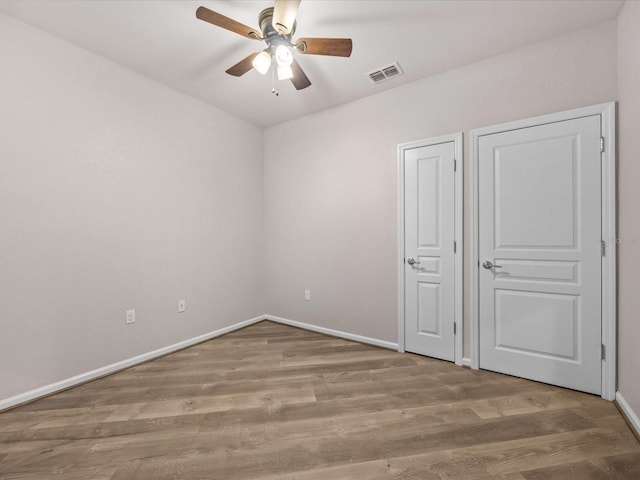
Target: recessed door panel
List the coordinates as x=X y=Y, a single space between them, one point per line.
x=543 y=313
x=538 y=271
x=428 y=309
x=428 y=266
x=428 y=213
x=536 y=181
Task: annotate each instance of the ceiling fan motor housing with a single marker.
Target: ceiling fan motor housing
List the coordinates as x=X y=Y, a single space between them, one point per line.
x=267 y=28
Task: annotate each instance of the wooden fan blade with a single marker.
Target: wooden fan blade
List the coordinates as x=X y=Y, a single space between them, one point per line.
x=284 y=15
x=243 y=66
x=299 y=79
x=337 y=47
x=227 y=23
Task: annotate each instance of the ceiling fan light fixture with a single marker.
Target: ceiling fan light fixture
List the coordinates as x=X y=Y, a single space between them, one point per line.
x=262 y=62
x=283 y=55
x=285 y=72
x=277 y=26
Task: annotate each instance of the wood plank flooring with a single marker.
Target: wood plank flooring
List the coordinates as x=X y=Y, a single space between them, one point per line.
x=274 y=402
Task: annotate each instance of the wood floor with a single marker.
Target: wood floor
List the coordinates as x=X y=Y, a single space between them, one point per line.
x=274 y=402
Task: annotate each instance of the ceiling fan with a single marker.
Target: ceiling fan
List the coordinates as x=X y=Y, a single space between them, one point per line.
x=277 y=26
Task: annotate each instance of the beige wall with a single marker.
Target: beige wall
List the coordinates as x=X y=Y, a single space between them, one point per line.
x=115 y=193
x=628 y=203
x=330 y=178
x=118 y=193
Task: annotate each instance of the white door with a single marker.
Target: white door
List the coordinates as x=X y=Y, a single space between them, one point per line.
x=429 y=250
x=540 y=253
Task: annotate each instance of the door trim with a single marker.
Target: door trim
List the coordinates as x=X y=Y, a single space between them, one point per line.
x=456 y=138
x=609 y=327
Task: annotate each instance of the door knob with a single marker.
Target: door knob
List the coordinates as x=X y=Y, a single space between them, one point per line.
x=412 y=262
x=489 y=265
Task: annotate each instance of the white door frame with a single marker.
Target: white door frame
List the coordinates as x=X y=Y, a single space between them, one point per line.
x=607 y=113
x=456 y=138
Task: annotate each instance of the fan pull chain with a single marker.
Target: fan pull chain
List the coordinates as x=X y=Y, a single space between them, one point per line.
x=273 y=82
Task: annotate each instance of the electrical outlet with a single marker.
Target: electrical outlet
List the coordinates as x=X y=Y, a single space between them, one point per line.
x=307 y=294
x=131 y=317
x=182 y=306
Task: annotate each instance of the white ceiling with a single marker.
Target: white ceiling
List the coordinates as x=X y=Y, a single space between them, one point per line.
x=163 y=40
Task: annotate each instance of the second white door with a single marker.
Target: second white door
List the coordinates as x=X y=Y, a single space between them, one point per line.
x=540 y=252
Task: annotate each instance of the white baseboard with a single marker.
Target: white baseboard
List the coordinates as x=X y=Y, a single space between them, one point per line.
x=114 y=367
x=334 y=333
x=632 y=416
x=130 y=362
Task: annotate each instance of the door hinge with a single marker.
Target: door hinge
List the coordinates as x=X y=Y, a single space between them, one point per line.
x=603 y=248
x=455 y=165
x=603 y=352
x=601 y=144
x=454 y=327
x=455 y=247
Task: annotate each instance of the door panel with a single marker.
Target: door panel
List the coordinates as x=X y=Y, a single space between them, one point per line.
x=429 y=236
x=544 y=312
x=429 y=203
x=535 y=181
x=429 y=309
x=540 y=226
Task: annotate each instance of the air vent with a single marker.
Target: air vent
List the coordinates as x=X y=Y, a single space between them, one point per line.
x=385 y=73
x=377 y=76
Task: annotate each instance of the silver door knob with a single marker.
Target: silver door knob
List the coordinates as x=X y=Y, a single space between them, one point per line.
x=489 y=265
x=412 y=262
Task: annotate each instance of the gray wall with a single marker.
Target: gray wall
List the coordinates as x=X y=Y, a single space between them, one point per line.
x=628 y=202
x=331 y=188
x=115 y=193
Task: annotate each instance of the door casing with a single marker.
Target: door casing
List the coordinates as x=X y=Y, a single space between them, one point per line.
x=457 y=139
x=608 y=232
